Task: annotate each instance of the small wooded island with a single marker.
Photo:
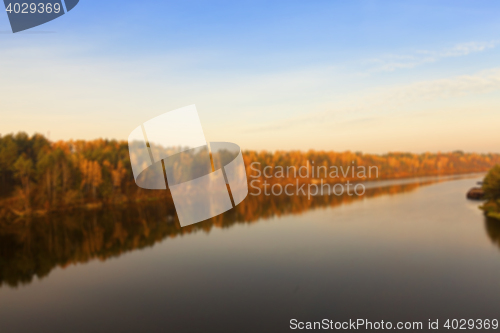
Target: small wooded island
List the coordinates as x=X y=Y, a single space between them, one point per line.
x=476 y=193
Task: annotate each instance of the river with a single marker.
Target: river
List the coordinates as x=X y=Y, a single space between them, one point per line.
x=409 y=250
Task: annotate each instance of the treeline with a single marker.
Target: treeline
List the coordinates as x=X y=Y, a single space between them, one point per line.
x=38 y=176
x=344 y=166
x=491 y=187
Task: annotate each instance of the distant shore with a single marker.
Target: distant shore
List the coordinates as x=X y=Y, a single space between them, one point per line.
x=38 y=176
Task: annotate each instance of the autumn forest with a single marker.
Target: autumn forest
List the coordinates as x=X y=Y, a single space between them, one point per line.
x=38 y=176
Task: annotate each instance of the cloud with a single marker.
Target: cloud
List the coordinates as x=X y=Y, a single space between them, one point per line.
x=423 y=91
x=414 y=97
x=392 y=62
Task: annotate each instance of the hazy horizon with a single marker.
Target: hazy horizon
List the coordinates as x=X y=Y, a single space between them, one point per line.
x=277 y=150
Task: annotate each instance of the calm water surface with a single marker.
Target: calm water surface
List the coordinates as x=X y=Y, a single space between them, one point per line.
x=413 y=251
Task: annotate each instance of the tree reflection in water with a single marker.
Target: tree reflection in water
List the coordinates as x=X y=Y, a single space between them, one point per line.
x=493 y=230
x=34 y=247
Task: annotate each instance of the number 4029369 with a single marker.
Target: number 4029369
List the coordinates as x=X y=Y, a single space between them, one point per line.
x=32 y=8
x=479 y=324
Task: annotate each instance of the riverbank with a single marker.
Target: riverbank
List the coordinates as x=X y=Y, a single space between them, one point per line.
x=491 y=188
x=9 y=212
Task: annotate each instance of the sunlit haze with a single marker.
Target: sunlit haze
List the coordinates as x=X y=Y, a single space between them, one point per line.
x=362 y=76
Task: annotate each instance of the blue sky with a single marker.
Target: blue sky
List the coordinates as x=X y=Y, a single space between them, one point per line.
x=372 y=76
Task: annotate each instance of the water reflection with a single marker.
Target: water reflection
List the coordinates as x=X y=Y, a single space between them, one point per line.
x=493 y=230
x=34 y=247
